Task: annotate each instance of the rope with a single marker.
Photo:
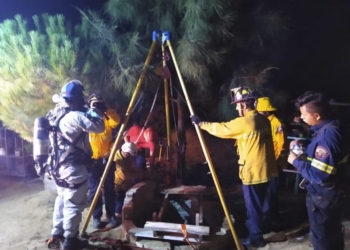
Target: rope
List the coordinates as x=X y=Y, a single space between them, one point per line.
x=184 y=232
x=149 y=114
x=137 y=102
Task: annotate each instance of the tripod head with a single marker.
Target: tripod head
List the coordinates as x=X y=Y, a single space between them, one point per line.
x=161 y=36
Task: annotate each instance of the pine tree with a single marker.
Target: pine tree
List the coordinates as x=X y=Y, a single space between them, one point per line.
x=201 y=31
x=209 y=36
x=34 y=64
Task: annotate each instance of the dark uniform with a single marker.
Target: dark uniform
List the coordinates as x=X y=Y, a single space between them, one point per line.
x=323 y=170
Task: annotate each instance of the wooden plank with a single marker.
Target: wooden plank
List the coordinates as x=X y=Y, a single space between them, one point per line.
x=197 y=190
x=176 y=228
x=186 y=190
x=149 y=234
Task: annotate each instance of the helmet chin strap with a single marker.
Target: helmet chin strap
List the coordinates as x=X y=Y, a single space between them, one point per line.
x=242 y=110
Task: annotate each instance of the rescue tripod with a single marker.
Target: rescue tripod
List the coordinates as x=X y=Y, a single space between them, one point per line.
x=164 y=37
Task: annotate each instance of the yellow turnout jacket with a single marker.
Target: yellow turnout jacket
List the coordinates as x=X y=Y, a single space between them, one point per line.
x=257 y=162
x=101 y=143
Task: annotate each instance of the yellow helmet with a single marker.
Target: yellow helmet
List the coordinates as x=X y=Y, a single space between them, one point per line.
x=264 y=104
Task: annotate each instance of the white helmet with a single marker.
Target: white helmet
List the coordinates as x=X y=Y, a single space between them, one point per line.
x=130 y=147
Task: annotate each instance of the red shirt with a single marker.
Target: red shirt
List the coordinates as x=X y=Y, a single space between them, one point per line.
x=146 y=140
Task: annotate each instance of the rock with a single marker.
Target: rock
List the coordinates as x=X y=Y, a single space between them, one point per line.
x=140 y=196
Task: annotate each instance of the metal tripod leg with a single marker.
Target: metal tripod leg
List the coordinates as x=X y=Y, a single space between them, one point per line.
x=121 y=131
x=166 y=40
x=166 y=100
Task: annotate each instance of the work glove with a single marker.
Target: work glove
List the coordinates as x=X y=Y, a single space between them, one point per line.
x=195 y=120
x=101 y=106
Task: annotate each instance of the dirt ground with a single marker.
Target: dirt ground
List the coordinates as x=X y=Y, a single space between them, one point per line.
x=26 y=211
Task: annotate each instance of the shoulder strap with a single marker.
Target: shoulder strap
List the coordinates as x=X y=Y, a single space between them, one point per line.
x=56 y=127
x=71 y=147
x=55 y=141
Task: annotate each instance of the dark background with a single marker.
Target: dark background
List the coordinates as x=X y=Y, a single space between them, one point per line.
x=316 y=54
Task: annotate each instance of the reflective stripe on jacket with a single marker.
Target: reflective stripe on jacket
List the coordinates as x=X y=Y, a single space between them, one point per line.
x=101 y=143
x=255 y=147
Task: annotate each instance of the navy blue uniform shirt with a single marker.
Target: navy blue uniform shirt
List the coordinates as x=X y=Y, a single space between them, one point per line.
x=325 y=154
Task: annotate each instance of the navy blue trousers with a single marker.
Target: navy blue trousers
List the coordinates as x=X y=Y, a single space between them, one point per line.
x=140 y=164
x=271 y=205
x=255 y=196
x=119 y=201
x=95 y=175
x=325 y=226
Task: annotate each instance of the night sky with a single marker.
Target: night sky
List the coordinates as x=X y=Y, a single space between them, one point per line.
x=28 y=8
x=316 y=54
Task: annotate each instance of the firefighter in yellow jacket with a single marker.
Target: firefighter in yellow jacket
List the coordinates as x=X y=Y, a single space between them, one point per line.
x=101 y=145
x=271 y=207
x=257 y=163
x=124 y=174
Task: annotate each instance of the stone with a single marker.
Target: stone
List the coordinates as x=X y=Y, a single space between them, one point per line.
x=140 y=196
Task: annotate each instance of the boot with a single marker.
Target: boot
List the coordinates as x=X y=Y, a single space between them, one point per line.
x=55 y=241
x=75 y=244
x=113 y=222
x=252 y=244
x=96 y=223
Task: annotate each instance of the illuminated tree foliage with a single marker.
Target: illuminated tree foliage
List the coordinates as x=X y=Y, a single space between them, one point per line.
x=34 y=64
x=212 y=40
x=201 y=31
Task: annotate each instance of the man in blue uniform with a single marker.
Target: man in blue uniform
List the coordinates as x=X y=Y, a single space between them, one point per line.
x=322 y=167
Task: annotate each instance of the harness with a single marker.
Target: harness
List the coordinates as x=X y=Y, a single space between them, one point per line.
x=63 y=151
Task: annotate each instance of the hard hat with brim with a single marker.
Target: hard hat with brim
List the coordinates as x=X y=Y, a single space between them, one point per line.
x=264 y=105
x=242 y=94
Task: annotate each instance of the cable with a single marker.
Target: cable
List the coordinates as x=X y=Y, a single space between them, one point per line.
x=149 y=114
